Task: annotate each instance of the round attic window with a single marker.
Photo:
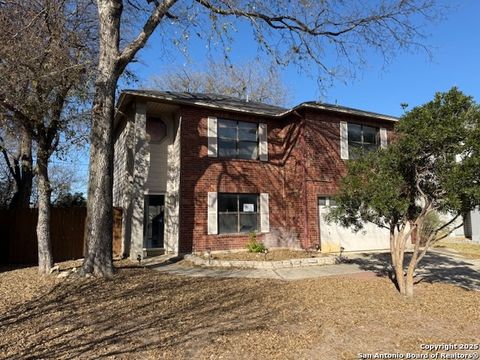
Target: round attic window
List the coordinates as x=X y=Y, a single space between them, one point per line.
x=156 y=129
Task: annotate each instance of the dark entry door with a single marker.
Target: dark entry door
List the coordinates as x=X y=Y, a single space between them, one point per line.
x=154 y=223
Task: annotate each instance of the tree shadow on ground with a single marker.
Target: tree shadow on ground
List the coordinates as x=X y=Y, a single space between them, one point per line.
x=135 y=312
x=434 y=267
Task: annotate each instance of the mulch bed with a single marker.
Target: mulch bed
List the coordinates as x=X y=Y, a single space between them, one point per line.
x=144 y=314
x=272 y=255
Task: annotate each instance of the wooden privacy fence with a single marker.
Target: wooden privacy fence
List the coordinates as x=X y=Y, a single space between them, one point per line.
x=18 y=238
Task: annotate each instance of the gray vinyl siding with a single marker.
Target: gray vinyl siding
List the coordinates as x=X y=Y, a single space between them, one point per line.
x=157 y=173
x=120 y=164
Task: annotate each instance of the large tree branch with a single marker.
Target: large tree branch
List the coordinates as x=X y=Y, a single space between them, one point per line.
x=448 y=233
x=434 y=239
x=25 y=120
x=76 y=67
x=448 y=223
x=127 y=55
x=11 y=169
x=56 y=114
x=286 y=22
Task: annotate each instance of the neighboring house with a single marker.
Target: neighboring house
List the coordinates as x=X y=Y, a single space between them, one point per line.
x=472 y=226
x=197 y=172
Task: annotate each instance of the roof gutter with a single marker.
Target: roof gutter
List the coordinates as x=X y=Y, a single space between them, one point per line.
x=330 y=108
x=345 y=110
x=185 y=102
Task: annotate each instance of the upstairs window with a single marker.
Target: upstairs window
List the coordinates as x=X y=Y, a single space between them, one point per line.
x=237 y=139
x=362 y=139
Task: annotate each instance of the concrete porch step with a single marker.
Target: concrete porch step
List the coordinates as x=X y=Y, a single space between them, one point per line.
x=153 y=252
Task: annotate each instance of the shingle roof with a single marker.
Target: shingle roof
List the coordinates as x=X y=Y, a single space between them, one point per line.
x=220 y=101
x=242 y=105
x=347 y=110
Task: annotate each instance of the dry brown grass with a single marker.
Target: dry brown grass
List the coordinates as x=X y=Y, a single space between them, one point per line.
x=143 y=314
x=467 y=249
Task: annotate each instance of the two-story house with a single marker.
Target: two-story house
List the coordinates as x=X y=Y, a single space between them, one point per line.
x=196 y=172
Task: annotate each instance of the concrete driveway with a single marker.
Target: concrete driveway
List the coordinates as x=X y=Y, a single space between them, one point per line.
x=437 y=266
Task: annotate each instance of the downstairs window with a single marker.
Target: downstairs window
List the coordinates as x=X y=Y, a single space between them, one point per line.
x=237 y=213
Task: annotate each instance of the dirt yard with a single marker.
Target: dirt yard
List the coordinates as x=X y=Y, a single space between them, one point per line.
x=143 y=314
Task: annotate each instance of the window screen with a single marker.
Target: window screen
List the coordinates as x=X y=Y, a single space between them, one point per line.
x=361 y=139
x=237 y=213
x=237 y=139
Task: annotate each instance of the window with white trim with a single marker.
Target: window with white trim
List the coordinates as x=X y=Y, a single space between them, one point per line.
x=238 y=213
x=326 y=201
x=362 y=139
x=237 y=139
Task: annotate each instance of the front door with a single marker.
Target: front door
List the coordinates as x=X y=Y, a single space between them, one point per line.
x=154 y=221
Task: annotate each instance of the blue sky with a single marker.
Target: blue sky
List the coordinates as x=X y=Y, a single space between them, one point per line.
x=411 y=77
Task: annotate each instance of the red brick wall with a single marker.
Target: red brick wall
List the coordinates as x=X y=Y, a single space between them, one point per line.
x=304 y=163
x=201 y=174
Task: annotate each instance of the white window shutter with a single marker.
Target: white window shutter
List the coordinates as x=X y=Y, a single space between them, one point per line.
x=264 y=214
x=263 y=142
x=212 y=213
x=212 y=136
x=383 y=138
x=344 y=140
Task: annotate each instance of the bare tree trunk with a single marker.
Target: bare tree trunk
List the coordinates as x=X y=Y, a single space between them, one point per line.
x=396 y=252
x=392 y=247
x=409 y=284
x=25 y=189
x=410 y=271
x=404 y=281
x=111 y=64
x=399 y=277
x=99 y=223
x=414 y=260
x=23 y=172
x=45 y=258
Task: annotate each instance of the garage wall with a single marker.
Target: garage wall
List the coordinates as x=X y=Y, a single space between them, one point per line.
x=333 y=236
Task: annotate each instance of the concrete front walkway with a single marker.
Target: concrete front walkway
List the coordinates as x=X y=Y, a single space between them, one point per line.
x=282 y=274
x=437 y=266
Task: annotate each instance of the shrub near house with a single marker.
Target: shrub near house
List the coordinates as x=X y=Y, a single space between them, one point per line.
x=433 y=166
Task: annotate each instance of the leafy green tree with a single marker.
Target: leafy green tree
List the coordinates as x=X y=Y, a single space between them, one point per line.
x=70 y=200
x=432 y=166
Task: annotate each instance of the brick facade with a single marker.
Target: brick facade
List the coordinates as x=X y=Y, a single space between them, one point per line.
x=303 y=163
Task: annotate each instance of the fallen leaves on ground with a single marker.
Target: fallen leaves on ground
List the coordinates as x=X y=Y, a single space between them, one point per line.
x=144 y=314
